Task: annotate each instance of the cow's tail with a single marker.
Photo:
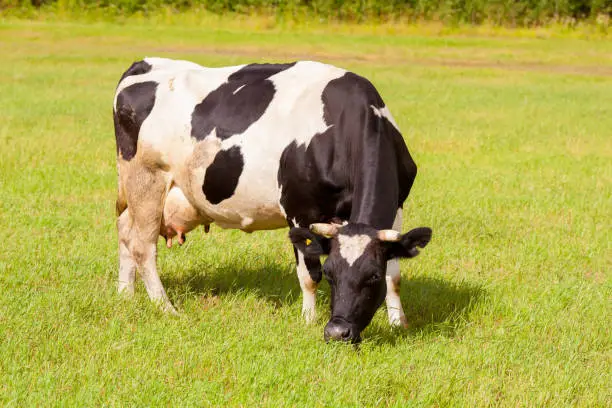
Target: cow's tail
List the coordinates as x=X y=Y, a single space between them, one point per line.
x=121 y=202
x=137 y=68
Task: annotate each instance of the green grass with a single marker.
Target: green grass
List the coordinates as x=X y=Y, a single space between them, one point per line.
x=509 y=305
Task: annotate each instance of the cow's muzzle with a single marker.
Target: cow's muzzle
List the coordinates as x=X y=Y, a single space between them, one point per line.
x=338 y=329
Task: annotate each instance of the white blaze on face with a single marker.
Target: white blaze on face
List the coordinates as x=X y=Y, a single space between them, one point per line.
x=352 y=247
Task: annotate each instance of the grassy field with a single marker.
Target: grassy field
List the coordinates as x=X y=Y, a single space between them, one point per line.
x=510 y=304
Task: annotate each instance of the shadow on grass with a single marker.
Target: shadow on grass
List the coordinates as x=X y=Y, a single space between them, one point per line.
x=276 y=283
x=432 y=306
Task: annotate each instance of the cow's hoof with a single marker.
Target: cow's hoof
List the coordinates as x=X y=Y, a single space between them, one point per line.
x=166 y=307
x=171 y=310
x=125 y=289
x=398 y=321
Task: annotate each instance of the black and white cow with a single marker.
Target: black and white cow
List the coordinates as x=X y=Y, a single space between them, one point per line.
x=264 y=146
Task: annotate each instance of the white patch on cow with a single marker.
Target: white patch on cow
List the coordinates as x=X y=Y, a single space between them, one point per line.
x=239 y=88
x=159 y=63
x=303 y=85
x=352 y=246
x=190 y=76
x=384 y=113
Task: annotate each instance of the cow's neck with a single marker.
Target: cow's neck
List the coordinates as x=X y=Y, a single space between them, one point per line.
x=375 y=184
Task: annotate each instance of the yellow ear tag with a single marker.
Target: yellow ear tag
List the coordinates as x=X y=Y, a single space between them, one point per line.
x=308 y=242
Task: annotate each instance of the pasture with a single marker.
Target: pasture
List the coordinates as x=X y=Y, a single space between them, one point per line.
x=509 y=305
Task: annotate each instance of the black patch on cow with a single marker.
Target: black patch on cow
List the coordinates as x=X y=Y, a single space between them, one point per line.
x=359 y=169
x=222 y=175
x=137 y=68
x=350 y=88
x=237 y=103
x=134 y=104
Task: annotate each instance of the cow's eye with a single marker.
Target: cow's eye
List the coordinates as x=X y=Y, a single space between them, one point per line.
x=373 y=279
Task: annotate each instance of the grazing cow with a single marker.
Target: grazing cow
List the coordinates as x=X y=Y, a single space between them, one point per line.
x=265 y=146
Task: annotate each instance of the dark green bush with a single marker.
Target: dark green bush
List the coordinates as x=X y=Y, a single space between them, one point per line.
x=502 y=12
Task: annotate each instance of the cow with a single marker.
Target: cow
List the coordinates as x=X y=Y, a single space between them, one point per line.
x=264 y=146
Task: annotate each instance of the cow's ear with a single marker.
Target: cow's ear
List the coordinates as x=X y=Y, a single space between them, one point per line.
x=306 y=241
x=406 y=246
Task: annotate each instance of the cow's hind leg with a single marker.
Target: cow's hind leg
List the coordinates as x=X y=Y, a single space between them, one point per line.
x=127 y=265
x=138 y=228
x=394 y=304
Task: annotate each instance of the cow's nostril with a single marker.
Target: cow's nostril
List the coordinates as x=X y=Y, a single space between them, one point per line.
x=346 y=333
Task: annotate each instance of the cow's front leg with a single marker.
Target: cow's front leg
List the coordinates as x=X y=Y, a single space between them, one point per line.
x=394 y=304
x=308 y=284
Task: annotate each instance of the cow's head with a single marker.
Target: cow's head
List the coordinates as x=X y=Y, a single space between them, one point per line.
x=356 y=268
